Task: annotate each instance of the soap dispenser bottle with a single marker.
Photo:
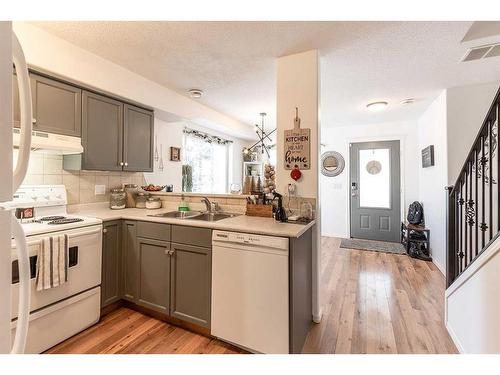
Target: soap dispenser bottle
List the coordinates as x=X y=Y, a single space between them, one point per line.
x=183 y=205
x=280 y=214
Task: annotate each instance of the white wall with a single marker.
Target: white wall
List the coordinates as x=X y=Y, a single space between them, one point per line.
x=466 y=109
x=55 y=55
x=335 y=190
x=170 y=134
x=432 y=180
x=472 y=305
x=298 y=86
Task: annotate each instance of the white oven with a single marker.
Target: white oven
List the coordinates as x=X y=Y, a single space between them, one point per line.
x=59 y=313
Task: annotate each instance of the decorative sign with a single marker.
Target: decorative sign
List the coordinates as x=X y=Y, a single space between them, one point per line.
x=297 y=146
x=428 y=156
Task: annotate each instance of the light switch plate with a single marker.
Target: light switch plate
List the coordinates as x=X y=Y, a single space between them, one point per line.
x=100 y=189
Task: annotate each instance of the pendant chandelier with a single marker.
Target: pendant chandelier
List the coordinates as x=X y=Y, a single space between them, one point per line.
x=263 y=136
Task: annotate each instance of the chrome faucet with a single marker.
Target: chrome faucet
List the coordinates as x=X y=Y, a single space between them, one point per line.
x=208 y=204
x=211 y=206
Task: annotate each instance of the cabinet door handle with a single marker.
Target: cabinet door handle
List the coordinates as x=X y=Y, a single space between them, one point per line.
x=104 y=231
x=33 y=121
x=121 y=164
x=126 y=164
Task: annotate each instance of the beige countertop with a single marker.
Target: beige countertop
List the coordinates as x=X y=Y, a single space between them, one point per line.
x=241 y=223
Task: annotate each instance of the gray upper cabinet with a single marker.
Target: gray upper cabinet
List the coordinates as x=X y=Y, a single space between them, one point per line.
x=102 y=132
x=130 y=258
x=115 y=136
x=56 y=106
x=111 y=263
x=154 y=274
x=138 y=143
x=191 y=274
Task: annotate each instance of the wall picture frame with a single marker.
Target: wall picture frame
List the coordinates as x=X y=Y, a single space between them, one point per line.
x=175 y=154
x=428 y=156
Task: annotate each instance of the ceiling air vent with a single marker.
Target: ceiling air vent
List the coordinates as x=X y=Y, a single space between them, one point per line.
x=482 y=52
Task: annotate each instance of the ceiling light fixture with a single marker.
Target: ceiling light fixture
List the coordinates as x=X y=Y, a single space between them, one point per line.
x=377 y=106
x=408 y=101
x=263 y=135
x=195 y=93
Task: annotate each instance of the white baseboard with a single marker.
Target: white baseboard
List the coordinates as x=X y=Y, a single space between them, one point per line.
x=454 y=338
x=439 y=267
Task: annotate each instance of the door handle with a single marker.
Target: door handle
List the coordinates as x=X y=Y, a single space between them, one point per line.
x=26 y=112
x=354 y=189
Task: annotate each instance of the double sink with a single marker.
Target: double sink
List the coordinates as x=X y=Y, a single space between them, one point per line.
x=195 y=215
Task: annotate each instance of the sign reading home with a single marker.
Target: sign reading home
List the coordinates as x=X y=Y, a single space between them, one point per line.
x=297 y=147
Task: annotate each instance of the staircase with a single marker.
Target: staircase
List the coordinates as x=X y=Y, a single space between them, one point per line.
x=472 y=314
x=474 y=201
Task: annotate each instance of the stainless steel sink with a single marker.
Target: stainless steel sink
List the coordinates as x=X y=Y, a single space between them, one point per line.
x=179 y=214
x=195 y=215
x=213 y=216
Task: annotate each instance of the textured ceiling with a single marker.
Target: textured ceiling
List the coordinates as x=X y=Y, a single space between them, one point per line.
x=234 y=62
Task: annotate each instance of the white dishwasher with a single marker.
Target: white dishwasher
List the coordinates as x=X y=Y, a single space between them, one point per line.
x=250 y=291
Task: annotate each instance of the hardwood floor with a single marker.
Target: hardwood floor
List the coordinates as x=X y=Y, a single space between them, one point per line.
x=379 y=303
x=126 y=331
x=373 y=303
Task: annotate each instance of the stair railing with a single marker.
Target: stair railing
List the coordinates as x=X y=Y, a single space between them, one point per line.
x=474 y=201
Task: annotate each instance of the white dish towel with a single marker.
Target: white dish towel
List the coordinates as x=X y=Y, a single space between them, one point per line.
x=52 y=262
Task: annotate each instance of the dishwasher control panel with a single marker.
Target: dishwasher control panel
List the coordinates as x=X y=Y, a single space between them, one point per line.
x=250 y=239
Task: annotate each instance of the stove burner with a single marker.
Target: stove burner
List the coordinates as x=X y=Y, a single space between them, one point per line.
x=64 y=221
x=51 y=218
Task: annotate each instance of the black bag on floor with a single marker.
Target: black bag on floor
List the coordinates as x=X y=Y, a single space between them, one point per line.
x=415 y=213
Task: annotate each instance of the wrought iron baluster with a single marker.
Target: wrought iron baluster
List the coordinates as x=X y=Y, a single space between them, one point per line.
x=461 y=224
x=477 y=203
x=483 y=187
x=490 y=164
x=470 y=210
x=466 y=183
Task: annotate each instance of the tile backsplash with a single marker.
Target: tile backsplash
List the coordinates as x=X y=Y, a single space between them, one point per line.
x=80 y=185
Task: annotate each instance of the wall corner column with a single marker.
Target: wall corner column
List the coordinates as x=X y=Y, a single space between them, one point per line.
x=298 y=85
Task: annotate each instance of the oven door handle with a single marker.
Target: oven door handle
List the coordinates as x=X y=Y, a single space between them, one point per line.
x=86 y=233
x=70 y=236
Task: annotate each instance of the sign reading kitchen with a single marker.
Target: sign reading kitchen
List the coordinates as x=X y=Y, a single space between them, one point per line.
x=297 y=146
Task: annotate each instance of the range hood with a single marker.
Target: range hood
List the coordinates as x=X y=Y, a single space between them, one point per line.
x=51 y=143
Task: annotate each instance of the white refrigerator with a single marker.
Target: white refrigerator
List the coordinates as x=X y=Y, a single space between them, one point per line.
x=10 y=179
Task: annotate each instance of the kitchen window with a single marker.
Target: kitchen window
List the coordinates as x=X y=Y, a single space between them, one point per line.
x=205 y=163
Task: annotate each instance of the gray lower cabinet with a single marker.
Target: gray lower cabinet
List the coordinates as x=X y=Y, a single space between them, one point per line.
x=154 y=274
x=138 y=143
x=130 y=259
x=143 y=266
x=190 y=289
x=56 y=105
x=111 y=262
